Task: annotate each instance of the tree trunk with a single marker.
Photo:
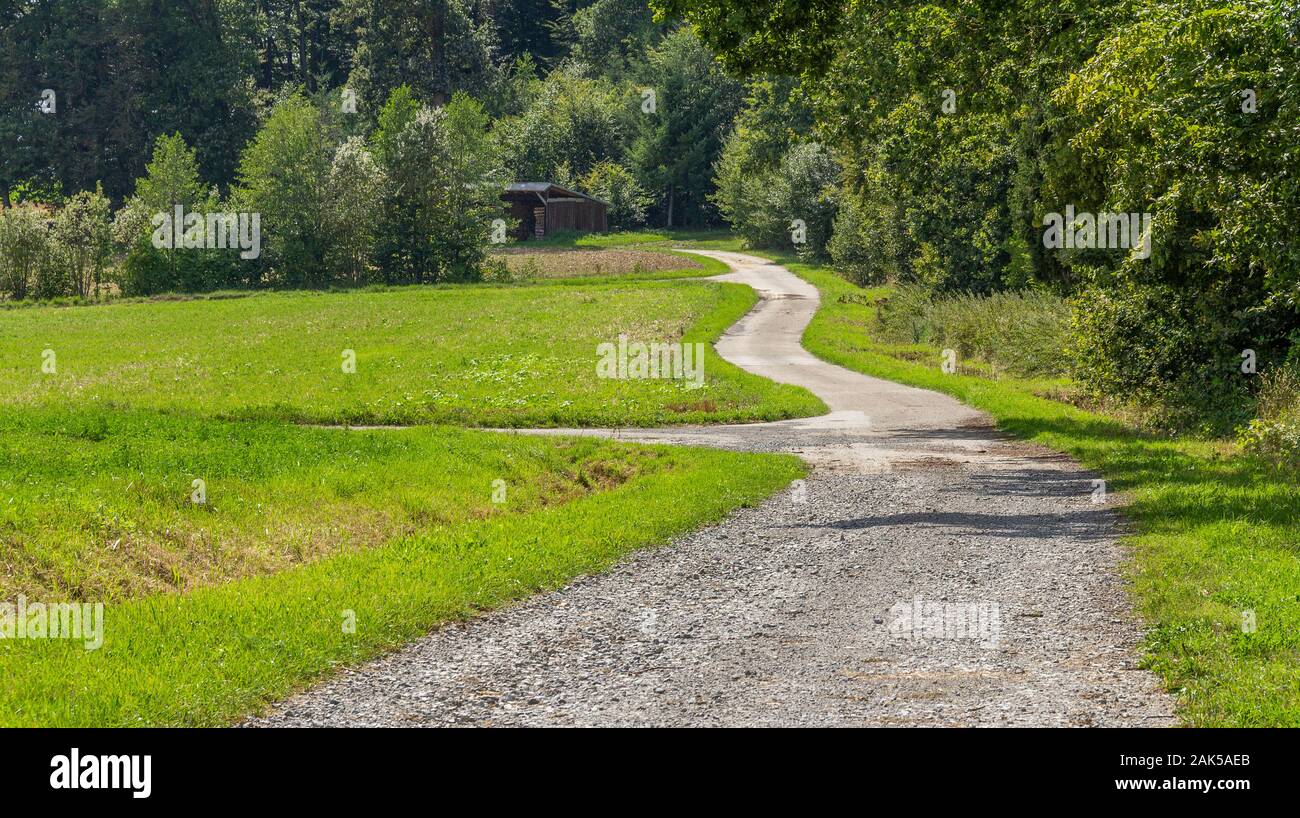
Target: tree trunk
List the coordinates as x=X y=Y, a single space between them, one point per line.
x=303 y=69
x=672 y=190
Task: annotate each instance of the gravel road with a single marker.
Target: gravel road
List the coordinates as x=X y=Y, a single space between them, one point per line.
x=929 y=572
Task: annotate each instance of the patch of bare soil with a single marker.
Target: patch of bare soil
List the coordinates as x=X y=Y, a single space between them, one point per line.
x=549 y=263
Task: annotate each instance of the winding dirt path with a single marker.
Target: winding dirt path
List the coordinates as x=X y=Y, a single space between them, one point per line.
x=930 y=571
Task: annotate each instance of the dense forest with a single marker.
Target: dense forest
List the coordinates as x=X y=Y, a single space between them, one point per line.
x=371 y=138
x=1132 y=160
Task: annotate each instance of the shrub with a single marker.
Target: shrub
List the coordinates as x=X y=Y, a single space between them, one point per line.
x=83 y=235
x=1157 y=348
x=144 y=269
x=24 y=244
x=619 y=187
x=497 y=271
x=744 y=195
x=762 y=206
x=805 y=190
x=863 y=247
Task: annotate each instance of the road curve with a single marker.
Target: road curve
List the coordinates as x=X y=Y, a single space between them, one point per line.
x=929 y=572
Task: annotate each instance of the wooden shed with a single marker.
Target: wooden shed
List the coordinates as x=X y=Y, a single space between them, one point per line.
x=543 y=209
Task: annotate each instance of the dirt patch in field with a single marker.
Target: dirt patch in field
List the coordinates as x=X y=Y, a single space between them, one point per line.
x=543 y=263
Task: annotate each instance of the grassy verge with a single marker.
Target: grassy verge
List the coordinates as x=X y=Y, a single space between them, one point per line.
x=209 y=656
x=101 y=505
x=464 y=355
x=1215 y=535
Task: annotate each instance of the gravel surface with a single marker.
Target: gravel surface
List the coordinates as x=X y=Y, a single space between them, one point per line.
x=928 y=572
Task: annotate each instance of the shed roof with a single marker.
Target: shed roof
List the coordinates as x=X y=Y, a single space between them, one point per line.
x=548 y=188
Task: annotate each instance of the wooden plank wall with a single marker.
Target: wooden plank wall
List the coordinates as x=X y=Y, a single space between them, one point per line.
x=585 y=216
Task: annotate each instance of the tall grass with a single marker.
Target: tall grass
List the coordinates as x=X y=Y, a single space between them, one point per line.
x=1275 y=434
x=1020 y=332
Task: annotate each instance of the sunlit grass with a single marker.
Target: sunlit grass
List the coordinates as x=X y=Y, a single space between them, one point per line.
x=465 y=355
x=213 y=654
x=216 y=608
x=104 y=504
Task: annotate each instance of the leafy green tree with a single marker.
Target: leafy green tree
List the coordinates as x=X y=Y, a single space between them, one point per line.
x=399 y=110
x=476 y=180
x=619 y=187
x=766 y=36
x=614 y=36
x=681 y=138
x=756 y=178
x=356 y=193
x=805 y=191
x=791 y=206
x=83 y=235
x=171 y=177
x=284 y=177
x=573 y=121
x=443 y=190
x=171 y=180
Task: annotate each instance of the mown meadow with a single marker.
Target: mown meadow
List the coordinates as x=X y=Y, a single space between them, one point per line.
x=187 y=462
x=479 y=355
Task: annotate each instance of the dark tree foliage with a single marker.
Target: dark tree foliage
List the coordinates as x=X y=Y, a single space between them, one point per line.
x=121 y=73
x=962 y=126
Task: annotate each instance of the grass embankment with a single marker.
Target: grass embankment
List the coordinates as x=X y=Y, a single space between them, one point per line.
x=208 y=656
x=1215 y=534
x=468 y=355
x=104 y=506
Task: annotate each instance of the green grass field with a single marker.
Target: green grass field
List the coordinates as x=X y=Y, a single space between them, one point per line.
x=494 y=356
x=100 y=505
x=1215 y=534
x=214 y=609
x=215 y=653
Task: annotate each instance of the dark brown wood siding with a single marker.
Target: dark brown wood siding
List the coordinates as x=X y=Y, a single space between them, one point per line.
x=521 y=211
x=585 y=216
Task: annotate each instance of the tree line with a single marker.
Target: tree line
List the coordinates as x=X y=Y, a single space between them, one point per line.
x=938 y=143
x=371 y=138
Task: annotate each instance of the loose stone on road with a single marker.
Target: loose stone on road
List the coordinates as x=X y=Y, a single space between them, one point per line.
x=930 y=571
